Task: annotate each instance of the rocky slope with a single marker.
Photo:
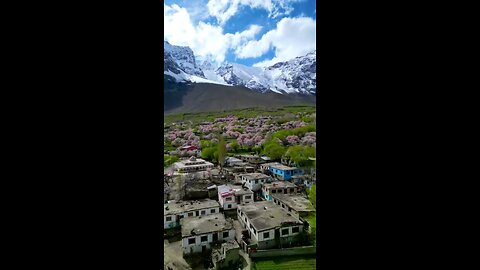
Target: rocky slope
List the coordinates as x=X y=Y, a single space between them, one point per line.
x=296 y=76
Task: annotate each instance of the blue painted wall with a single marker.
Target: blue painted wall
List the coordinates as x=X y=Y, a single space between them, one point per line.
x=284 y=174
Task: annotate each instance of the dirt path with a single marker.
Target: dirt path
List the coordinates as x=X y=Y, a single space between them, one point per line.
x=247 y=259
x=173 y=256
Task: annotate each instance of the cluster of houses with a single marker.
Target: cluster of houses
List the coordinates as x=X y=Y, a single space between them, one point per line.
x=262 y=209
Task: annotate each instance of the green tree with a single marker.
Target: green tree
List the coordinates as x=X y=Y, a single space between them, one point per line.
x=234 y=146
x=222 y=151
x=274 y=150
x=208 y=153
x=257 y=149
x=300 y=155
x=312 y=195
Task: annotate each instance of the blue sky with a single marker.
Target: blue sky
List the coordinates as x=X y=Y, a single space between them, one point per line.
x=249 y=32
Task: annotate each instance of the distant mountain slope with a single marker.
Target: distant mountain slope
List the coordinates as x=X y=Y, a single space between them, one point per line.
x=203 y=97
x=296 y=76
x=182 y=57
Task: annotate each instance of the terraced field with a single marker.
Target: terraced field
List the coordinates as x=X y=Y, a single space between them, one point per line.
x=285 y=263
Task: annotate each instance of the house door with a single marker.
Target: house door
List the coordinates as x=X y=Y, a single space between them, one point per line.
x=196 y=213
x=215 y=237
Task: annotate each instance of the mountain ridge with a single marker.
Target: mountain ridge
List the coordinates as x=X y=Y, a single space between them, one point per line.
x=295 y=76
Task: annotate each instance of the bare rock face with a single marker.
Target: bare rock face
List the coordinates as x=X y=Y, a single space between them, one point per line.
x=179 y=59
x=296 y=76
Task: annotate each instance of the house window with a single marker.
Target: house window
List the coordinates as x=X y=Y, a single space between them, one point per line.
x=190 y=214
x=228 y=199
x=256 y=181
x=212 y=211
x=266 y=235
x=229 y=206
x=285 y=231
x=225 y=234
x=191 y=241
x=295 y=229
x=274 y=191
x=203 y=212
x=248 y=197
x=285 y=191
x=169 y=219
x=203 y=239
x=291 y=190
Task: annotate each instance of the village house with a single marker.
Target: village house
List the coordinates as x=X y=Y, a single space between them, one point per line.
x=299 y=206
x=283 y=172
x=278 y=187
x=254 y=181
x=229 y=196
x=226 y=256
x=233 y=161
x=188 y=148
x=268 y=226
x=265 y=168
x=252 y=159
x=265 y=158
x=198 y=233
x=192 y=164
x=243 y=168
x=173 y=212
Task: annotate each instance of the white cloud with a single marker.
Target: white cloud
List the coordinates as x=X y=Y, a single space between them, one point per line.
x=206 y=40
x=223 y=10
x=293 y=37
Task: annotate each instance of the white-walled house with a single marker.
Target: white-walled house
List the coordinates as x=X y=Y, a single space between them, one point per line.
x=198 y=233
x=278 y=187
x=268 y=225
x=229 y=196
x=298 y=205
x=233 y=161
x=192 y=164
x=175 y=211
x=265 y=168
x=254 y=181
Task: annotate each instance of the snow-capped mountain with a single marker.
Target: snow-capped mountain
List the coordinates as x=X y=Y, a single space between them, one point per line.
x=179 y=65
x=296 y=76
x=183 y=57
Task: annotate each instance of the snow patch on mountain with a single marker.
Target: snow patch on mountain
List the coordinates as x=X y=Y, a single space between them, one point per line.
x=297 y=75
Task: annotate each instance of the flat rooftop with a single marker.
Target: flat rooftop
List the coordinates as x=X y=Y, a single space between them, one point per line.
x=205 y=224
x=296 y=202
x=255 y=175
x=237 y=190
x=233 y=159
x=192 y=162
x=186 y=206
x=283 y=167
x=271 y=217
x=217 y=254
x=271 y=164
x=279 y=184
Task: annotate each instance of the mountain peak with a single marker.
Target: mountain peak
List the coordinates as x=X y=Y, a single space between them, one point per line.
x=183 y=57
x=297 y=75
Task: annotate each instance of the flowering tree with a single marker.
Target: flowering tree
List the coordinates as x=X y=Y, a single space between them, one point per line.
x=293 y=139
